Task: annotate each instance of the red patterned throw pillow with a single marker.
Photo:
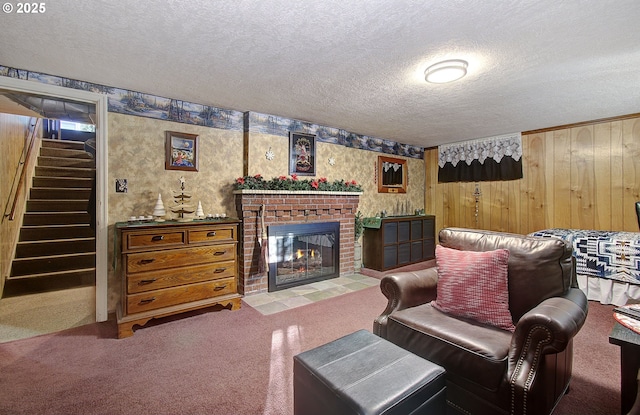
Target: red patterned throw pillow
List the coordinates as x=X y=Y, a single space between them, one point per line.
x=474 y=285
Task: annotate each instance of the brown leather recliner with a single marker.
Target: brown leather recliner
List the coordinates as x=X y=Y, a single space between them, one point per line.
x=490 y=370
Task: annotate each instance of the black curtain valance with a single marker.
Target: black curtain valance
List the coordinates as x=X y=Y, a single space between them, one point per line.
x=485 y=159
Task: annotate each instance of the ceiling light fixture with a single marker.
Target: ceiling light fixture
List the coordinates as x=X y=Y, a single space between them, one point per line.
x=446 y=71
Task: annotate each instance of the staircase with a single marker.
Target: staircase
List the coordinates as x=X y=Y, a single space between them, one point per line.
x=56 y=247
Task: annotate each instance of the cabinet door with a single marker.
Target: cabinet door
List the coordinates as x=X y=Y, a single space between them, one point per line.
x=416 y=251
x=428 y=249
x=404 y=231
x=429 y=228
x=429 y=243
x=404 y=253
x=390 y=256
x=416 y=230
x=390 y=232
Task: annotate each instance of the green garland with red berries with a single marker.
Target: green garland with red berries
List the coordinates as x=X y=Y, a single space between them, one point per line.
x=257 y=182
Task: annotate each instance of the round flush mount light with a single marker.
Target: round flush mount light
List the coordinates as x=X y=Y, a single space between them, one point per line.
x=446 y=71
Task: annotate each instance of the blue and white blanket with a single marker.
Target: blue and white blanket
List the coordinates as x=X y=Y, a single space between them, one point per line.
x=602 y=254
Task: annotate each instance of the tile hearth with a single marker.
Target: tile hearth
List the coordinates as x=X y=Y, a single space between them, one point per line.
x=274 y=302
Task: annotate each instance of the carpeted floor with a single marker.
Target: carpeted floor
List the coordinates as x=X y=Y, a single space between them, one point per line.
x=35 y=314
x=224 y=362
x=595 y=386
x=231 y=362
x=31 y=315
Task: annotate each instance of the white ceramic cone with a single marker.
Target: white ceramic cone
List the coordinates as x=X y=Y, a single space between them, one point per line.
x=158 y=210
x=199 y=211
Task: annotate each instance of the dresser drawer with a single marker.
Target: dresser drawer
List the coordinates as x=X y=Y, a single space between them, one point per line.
x=174 y=258
x=155 y=239
x=213 y=234
x=166 y=297
x=153 y=280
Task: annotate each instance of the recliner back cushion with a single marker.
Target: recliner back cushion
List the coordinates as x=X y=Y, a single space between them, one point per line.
x=539 y=268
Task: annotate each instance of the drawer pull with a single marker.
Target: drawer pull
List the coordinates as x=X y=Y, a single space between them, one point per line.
x=220 y=288
x=219 y=270
x=146 y=261
x=147 y=300
x=218 y=253
x=211 y=234
x=157 y=238
x=145 y=282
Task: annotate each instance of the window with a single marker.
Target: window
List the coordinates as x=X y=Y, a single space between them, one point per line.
x=76 y=126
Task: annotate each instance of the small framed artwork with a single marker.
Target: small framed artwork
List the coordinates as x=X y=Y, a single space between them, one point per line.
x=392 y=175
x=181 y=151
x=302 y=154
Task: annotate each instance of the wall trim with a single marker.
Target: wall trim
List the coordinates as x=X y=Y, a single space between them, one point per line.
x=582 y=124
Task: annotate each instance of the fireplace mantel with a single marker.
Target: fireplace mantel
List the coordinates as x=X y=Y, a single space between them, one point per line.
x=295 y=192
x=291 y=207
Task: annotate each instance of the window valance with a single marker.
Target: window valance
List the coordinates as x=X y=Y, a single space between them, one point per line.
x=484 y=159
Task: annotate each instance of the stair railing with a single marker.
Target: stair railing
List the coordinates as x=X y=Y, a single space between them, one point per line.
x=24 y=165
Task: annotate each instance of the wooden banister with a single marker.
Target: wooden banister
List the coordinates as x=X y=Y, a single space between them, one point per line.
x=25 y=163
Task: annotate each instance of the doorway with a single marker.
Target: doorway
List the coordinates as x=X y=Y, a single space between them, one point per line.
x=101 y=232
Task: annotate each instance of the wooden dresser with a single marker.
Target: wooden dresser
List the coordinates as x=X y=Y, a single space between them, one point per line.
x=173 y=267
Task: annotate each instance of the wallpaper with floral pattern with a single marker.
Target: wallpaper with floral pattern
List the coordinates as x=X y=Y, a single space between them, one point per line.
x=137 y=153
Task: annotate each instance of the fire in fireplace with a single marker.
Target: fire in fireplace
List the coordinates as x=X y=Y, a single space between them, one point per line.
x=303 y=253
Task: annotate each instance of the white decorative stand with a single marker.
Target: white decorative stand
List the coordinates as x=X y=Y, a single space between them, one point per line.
x=182 y=205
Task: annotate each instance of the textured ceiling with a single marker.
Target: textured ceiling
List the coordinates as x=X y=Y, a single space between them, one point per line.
x=355 y=65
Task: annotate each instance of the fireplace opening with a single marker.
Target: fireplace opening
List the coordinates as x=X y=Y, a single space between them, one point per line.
x=303 y=253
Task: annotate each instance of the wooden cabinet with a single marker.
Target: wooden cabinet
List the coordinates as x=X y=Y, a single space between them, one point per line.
x=398 y=241
x=171 y=267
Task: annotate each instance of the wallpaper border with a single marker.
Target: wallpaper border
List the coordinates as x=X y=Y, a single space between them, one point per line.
x=139 y=104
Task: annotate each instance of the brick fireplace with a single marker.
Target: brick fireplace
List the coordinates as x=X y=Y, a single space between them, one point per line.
x=291 y=207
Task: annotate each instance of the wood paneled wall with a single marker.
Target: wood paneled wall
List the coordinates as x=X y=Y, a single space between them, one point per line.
x=584 y=177
x=13 y=129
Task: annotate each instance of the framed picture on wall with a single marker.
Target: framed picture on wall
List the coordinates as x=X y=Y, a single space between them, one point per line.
x=181 y=151
x=302 y=154
x=392 y=175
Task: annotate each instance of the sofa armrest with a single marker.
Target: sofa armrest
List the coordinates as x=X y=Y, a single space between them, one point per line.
x=404 y=290
x=546 y=329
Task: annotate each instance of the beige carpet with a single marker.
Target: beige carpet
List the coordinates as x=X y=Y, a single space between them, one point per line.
x=35 y=314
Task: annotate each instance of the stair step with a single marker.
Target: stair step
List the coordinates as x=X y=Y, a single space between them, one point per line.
x=35 y=233
x=65 y=152
x=77 y=145
x=57 y=205
x=63 y=182
x=59 y=193
x=49 y=171
x=44 y=161
x=55 y=218
x=28 y=249
x=56 y=248
x=58 y=182
x=53 y=281
x=52 y=263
